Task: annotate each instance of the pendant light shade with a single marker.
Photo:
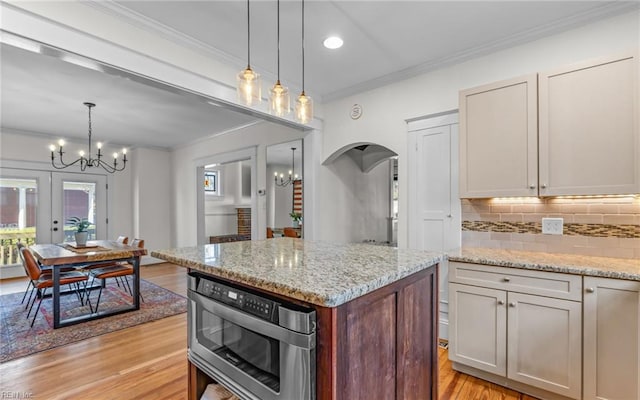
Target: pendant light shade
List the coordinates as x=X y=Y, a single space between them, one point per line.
x=279 y=102
x=304 y=103
x=248 y=81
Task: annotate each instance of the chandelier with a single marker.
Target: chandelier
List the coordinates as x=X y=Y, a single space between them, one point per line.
x=88 y=161
x=292 y=177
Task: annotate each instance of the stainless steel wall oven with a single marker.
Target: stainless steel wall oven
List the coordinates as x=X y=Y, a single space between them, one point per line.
x=259 y=347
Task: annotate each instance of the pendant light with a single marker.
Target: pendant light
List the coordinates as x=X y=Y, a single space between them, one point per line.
x=249 y=85
x=279 y=103
x=304 y=103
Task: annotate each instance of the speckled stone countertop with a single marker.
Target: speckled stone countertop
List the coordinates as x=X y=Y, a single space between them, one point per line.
x=619 y=268
x=321 y=273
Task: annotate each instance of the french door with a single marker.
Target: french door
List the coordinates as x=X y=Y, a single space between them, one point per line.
x=35 y=205
x=78 y=195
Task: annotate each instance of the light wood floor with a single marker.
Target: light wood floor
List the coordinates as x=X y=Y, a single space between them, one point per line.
x=149 y=361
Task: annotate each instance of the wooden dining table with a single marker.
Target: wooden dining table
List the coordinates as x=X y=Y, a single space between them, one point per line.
x=95 y=252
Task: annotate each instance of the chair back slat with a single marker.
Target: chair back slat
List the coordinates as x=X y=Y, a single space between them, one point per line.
x=122 y=239
x=31 y=265
x=138 y=243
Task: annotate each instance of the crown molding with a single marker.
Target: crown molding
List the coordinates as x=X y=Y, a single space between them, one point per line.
x=157 y=28
x=602 y=12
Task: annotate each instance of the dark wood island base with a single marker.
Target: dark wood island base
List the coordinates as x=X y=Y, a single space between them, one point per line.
x=382 y=345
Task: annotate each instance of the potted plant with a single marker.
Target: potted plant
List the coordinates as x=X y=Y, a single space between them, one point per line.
x=296 y=217
x=80 y=225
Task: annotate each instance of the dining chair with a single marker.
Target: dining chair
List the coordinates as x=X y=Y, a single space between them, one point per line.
x=290 y=232
x=117 y=270
x=46 y=270
x=42 y=281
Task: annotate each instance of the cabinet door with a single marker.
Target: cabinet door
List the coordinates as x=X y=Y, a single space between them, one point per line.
x=611 y=339
x=589 y=141
x=477 y=327
x=544 y=343
x=498 y=139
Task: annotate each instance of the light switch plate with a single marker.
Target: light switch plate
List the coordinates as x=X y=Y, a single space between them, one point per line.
x=552 y=226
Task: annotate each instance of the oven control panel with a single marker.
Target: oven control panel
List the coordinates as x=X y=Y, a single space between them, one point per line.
x=259 y=306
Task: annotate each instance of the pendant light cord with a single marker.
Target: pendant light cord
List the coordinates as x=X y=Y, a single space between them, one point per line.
x=278 y=3
x=302 y=46
x=88 y=106
x=248 y=37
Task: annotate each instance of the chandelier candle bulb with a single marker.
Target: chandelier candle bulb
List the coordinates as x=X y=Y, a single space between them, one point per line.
x=52 y=148
x=81 y=152
x=61 y=143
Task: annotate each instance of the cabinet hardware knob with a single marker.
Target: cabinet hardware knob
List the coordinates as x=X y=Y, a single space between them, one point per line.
x=543 y=186
x=501 y=302
x=506 y=279
x=590 y=290
x=55 y=229
x=449 y=215
x=512 y=304
x=55 y=221
x=532 y=186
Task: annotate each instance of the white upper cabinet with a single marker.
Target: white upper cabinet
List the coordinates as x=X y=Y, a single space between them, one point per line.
x=588 y=133
x=499 y=139
x=571 y=131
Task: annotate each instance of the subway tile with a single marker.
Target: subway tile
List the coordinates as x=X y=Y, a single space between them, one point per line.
x=489 y=217
x=618 y=252
x=533 y=217
x=603 y=242
x=619 y=219
x=512 y=245
x=588 y=251
x=523 y=208
x=534 y=246
x=500 y=208
x=629 y=243
x=548 y=208
x=501 y=236
x=629 y=208
x=524 y=237
x=588 y=218
x=574 y=208
x=603 y=209
x=511 y=217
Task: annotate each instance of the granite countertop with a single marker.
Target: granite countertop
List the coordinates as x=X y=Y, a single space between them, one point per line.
x=619 y=268
x=320 y=273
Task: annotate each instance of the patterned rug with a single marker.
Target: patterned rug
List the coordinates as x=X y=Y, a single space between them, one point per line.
x=17 y=339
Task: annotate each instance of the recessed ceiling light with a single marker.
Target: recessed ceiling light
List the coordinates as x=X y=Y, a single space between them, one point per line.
x=333 y=42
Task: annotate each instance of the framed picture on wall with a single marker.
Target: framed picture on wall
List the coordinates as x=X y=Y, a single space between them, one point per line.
x=211 y=182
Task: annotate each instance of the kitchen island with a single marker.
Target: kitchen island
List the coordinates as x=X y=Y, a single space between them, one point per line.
x=376 y=309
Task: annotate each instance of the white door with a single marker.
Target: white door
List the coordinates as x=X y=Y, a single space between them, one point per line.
x=435 y=212
x=78 y=195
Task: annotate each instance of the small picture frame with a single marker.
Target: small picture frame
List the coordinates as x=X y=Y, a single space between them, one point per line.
x=210 y=182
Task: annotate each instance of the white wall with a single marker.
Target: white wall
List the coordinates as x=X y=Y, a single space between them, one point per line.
x=220 y=211
x=386 y=109
x=279 y=199
x=151 y=188
x=184 y=173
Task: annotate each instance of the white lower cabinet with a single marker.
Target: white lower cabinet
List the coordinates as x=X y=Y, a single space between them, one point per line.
x=513 y=337
x=611 y=339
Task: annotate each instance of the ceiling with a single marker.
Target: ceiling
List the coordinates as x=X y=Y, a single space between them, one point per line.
x=385 y=41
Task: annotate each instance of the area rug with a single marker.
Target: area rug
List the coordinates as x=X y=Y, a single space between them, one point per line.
x=18 y=339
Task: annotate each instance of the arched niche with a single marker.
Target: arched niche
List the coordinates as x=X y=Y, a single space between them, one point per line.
x=366 y=155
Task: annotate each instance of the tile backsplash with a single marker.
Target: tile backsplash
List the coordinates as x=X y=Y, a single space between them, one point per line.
x=597 y=226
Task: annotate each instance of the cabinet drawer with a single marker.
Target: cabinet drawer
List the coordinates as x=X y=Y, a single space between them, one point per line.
x=550 y=284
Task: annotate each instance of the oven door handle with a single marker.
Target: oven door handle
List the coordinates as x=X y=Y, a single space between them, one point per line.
x=242 y=319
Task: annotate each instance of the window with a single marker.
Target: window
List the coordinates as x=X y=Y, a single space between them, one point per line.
x=212 y=182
